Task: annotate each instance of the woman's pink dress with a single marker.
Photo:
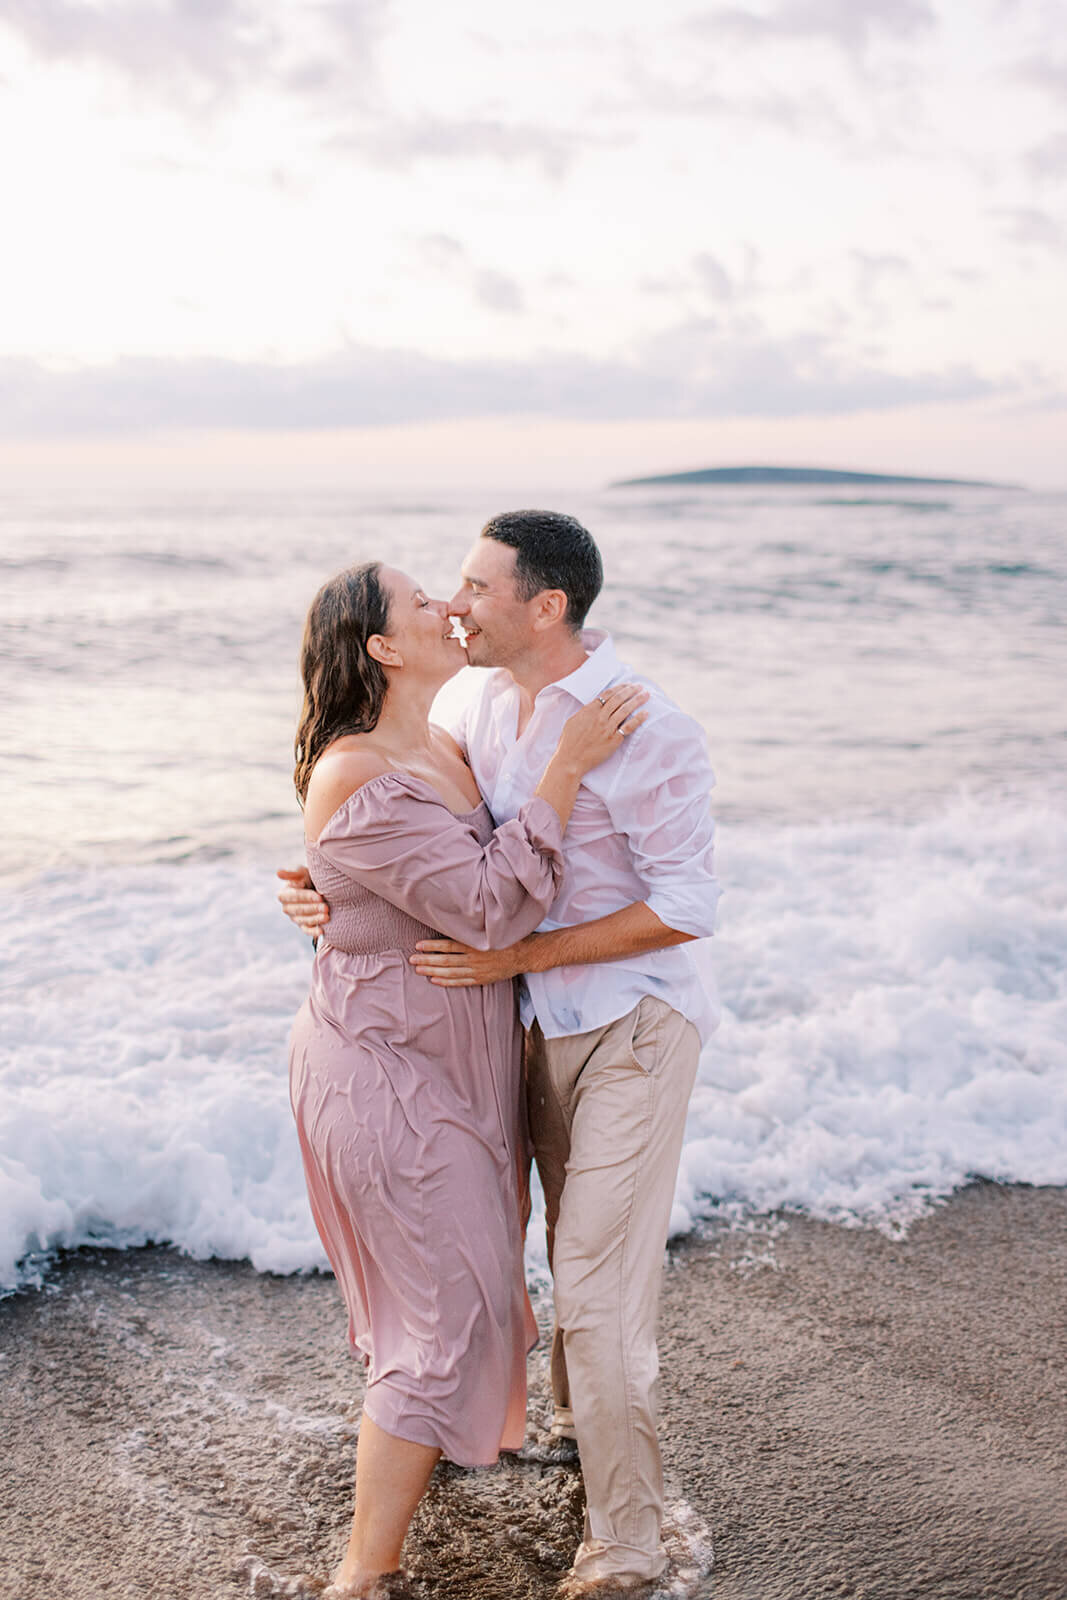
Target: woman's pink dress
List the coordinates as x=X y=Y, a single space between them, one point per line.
x=407 y=1100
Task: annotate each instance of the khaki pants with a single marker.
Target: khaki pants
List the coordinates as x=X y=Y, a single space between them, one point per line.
x=607 y=1115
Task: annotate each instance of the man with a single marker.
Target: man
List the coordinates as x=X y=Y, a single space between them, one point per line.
x=613 y=1006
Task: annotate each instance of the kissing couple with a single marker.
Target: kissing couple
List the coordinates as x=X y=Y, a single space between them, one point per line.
x=559 y=835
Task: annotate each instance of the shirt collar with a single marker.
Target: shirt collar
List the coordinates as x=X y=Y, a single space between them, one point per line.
x=599 y=668
x=595 y=672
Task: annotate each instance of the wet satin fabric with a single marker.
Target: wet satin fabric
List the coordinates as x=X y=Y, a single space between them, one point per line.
x=409 y=1111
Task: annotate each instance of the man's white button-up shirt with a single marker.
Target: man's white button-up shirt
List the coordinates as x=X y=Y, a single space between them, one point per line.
x=640 y=831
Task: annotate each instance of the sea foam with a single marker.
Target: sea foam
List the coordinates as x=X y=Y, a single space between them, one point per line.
x=894 y=1022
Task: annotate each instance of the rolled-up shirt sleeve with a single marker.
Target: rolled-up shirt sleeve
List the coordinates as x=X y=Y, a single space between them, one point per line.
x=660 y=799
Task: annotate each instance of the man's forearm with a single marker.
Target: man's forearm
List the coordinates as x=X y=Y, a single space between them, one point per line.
x=633 y=931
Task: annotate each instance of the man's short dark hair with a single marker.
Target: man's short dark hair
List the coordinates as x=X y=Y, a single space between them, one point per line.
x=552 y=551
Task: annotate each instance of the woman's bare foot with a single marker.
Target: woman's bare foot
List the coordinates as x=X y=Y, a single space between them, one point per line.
x=391 y=1474
x=360 y=1585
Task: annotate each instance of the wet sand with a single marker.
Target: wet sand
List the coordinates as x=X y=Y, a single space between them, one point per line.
x=849 y=1415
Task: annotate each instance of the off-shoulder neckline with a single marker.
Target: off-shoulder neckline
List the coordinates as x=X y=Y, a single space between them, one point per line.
x=408 y=777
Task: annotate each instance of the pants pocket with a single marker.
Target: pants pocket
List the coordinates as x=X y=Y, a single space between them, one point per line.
x=646 y=1036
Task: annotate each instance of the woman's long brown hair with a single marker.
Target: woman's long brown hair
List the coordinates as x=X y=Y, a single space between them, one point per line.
x=344 y=687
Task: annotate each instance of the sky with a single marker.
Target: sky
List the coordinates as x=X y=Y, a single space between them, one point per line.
x=360 y=241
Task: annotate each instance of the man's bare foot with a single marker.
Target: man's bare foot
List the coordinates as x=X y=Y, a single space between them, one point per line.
x=572 y=1588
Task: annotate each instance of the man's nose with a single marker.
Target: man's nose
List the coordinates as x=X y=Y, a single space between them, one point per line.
x=459 y=604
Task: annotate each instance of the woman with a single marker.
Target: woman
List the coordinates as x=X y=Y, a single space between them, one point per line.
x=406 y=1095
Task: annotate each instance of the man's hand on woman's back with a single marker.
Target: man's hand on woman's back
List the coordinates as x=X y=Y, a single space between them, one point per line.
x=301 y=902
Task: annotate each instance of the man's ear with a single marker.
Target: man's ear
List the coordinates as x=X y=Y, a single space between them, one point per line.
x=383 y=650
x=551 y=608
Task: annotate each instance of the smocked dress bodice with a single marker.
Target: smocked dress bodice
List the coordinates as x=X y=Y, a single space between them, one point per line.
x=362 y=923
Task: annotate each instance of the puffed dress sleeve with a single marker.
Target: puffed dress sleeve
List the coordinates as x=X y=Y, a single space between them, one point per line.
x=396 y=837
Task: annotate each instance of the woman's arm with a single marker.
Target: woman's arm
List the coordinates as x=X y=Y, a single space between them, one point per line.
x=588 y=737
x=394 y=835
x=397 y=839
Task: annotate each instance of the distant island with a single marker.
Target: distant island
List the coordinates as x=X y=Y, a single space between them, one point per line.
x=810 y=475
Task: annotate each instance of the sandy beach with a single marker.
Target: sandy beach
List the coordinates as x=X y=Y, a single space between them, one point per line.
x=844 y=1414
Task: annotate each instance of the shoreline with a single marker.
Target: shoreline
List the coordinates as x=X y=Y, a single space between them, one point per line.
x=847 y=1413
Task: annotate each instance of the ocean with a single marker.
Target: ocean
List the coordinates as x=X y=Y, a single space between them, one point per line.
x=883 y=681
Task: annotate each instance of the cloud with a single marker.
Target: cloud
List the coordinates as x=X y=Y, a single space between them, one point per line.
x=441 y=251
x=397 y=142
x=723 y=285
x=872 y=270
x=216 y=50
x=1043 y=72
x=217 y=42
x=692 y=370
x=197 y=54
x=735 y=286
x=342 y=51
x=649 y=92
x=1049 y=158
x=498 y=291
x=849 y=24
x=445 y=256
x=713 y=276
x=711 y=373
x=1027 y=225
x=857 y=106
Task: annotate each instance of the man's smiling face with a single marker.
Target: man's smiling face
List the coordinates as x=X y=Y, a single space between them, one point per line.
x=499 y=626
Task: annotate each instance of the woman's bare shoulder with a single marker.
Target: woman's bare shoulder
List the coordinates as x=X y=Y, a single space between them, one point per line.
x=336 y=777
